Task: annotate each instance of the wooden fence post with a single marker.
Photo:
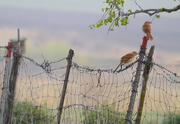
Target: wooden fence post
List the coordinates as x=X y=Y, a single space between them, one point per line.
x=18 y=48
x=136 y=81
x=60 y=108
x=146 y=72
x=5 y=88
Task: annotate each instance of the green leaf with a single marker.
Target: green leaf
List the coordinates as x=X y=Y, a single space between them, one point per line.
x=91 y=27
x=116 y=23
x=107 y=1
x=105 y=21
x=114 y=14
x=101 y=22
x=103 y=9
x=129 y=10
x=157 y=16
x=106 y=9
x=125 y=21
x=110 y=19
x=162 y=9
x=122 y=3
x=111 y=29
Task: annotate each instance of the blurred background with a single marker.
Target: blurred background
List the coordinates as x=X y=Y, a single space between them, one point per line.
x=54 y=27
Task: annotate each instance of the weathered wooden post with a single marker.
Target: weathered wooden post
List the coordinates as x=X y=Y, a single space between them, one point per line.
x=5 y=88
x=146 y=72
x=136 y=81
x=18 y=48
x=60 y=108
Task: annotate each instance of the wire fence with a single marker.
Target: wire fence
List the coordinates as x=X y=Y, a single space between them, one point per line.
x=93 y=96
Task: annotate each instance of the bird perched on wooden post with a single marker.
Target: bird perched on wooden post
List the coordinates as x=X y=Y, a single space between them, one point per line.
x=126 y=59
x=147 y=30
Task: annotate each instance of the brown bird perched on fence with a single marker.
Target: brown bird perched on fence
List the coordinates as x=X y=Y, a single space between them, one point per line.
x=147 y=30
x=126 y=59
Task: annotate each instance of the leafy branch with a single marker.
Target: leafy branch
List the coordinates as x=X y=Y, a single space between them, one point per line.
x=151 y=12
x=115 y=15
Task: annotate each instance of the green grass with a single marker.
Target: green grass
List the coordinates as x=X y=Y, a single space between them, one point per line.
x=103 y=115
x=26 y=112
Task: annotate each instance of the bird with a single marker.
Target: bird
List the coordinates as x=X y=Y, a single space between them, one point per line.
x=126 y=59
x=147 y=30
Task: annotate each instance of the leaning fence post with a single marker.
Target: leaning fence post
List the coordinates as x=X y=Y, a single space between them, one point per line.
x=5 y=88
x=136 y=81
x=18 y=46
x=146 y=72
x=60 y=108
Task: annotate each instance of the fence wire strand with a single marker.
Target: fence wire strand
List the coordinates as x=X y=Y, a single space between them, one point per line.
x=93 y=95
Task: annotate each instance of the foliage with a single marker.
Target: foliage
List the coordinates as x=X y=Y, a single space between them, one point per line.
x=111 y=15
x=173 y=119
x=115 y=16
x=103 y=114
x=26 y=113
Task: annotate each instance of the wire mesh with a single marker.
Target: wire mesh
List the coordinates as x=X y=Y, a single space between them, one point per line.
x=93 y=96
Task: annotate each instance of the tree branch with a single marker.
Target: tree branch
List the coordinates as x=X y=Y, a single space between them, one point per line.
x=115 y=15
x=151 y=12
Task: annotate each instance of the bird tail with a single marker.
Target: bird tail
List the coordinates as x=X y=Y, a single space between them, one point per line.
x=117 y=67
x=149 y=36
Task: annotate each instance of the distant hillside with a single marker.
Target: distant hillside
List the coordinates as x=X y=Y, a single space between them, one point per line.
x=42 y=27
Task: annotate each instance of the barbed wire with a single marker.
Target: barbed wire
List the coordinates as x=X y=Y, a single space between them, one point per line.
x=175 y=74
x=2 y=47
x=46 y=65
x=93 y=95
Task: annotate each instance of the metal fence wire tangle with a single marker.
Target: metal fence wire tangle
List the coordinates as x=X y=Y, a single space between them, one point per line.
x=92 y=96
